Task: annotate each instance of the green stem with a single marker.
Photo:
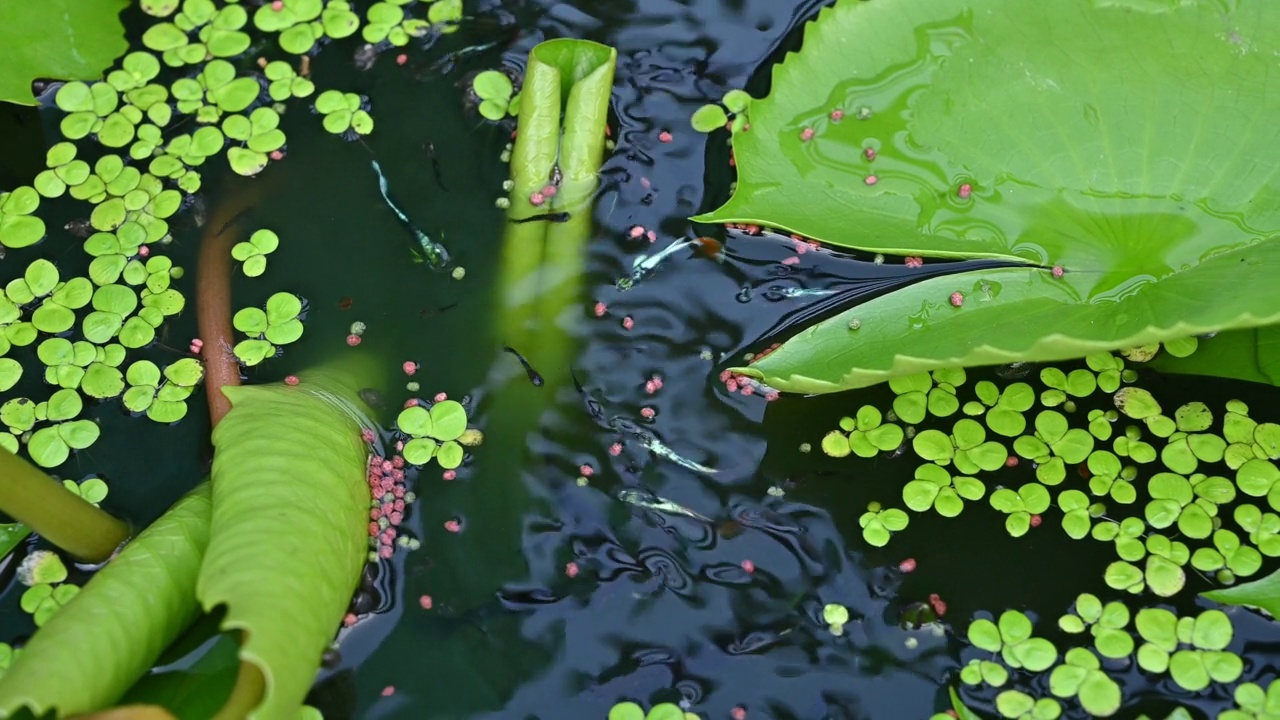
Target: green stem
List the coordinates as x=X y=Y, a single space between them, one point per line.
x=57 y=514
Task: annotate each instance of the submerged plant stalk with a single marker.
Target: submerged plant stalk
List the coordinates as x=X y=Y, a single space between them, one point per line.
x=55 y=513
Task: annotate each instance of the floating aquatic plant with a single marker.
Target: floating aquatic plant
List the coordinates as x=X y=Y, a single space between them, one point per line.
x=934 y=487
x=285 y=82
x=278 y=324
x=387 y=22
x=436 y=432
x=1011 y=638
x=713 y=116
x=1192 y=650
x=49 y=446
x=253 y=252
x=1107 y=623
x=18 y=227
x=261 y=136
x=1080 y=676
x=1020 y=505
x=162 y=396
x=1019 y=705
x=303 y=23
x=662 y=711
x=344 y=113
x=865 y=435
x=495 y=91
x=835 y=616
x=878 y=524
x=43 y=600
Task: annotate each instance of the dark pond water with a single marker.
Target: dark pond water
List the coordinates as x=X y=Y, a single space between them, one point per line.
x=661 y=608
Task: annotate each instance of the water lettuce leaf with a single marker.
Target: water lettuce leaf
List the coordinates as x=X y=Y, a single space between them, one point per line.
x=57 y=40
x=1119 y=141
x=289 y=532
x=107 y=636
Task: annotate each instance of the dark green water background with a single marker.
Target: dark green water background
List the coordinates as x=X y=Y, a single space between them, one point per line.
x=662 y=609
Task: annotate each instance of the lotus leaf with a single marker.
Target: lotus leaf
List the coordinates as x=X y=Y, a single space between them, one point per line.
x=978 y=159
x=92 y=33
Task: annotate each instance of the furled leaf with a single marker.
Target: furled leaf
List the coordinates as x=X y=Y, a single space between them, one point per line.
x=57 y=40
x=295 y=450
x=89 y=653
x=1027 y=134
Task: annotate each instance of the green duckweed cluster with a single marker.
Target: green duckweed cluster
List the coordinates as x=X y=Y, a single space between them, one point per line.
x=133 y=146
x=438 y=432
x=498 y=96
x=1172 y=490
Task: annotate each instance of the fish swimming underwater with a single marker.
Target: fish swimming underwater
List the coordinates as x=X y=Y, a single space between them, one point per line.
x=649 y=501
x=429 y=251
x=534 y=376
x=646 y=264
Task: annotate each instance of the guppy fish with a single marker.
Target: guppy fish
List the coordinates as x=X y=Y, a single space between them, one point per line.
x=649 y=501
x=797 y=292
x=648 y=440
x=432 y=252
x=646 y=264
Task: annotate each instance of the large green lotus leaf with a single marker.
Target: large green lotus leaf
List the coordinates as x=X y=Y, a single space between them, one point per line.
x=57 y=40
x=1121 y=140
x=1252 y=354
x=289 y=533
x=100 y=643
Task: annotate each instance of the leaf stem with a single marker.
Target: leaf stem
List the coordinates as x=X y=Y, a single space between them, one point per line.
x=247 y=693
x=57 y=514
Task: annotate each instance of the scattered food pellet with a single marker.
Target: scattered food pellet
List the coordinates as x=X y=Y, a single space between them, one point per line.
x=402 y=59
x=664 y=137
x=358 y=328
x=872 y=180
x=1012 y=461
x=536 y=198
x=748 y=566
x=458 y=273
x=277 y=155
x=738 y=713
x=410 y=367
x=586 y=470
x=913 y=262
x=939 y=607
x=628 y=323
x=615 y=449
x=806 y=134
x=449 y=475
x=291 y=380
x=647 y=412
x=388 y=691
x=1036 y=520
x=367 y=435
x=453 y=526
x=1058 y=271
x=441 y=397
x=571 y=570
x=637 y=231
x=349 y=619
x=907 y=565
x=869 y=154
x=425 y=602
x=837 y=115
x=957 y=298
x=353 y=340
x=964 y=191
x=413 y=386
x=599 y=309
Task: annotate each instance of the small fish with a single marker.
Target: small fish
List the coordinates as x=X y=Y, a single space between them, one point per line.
x=80 y=227
x=655 y=446
x=366 y=55
x=435 y=165
x=534 y=377
x=646 y=264
x=556 y=176
x=446 y=64
x=556 y=217
x=594 y=408
x=649 y=501
x=433 y=253
x=796 y=292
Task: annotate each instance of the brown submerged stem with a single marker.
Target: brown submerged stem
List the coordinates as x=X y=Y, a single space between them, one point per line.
x=55 y=513
x=213 y=305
